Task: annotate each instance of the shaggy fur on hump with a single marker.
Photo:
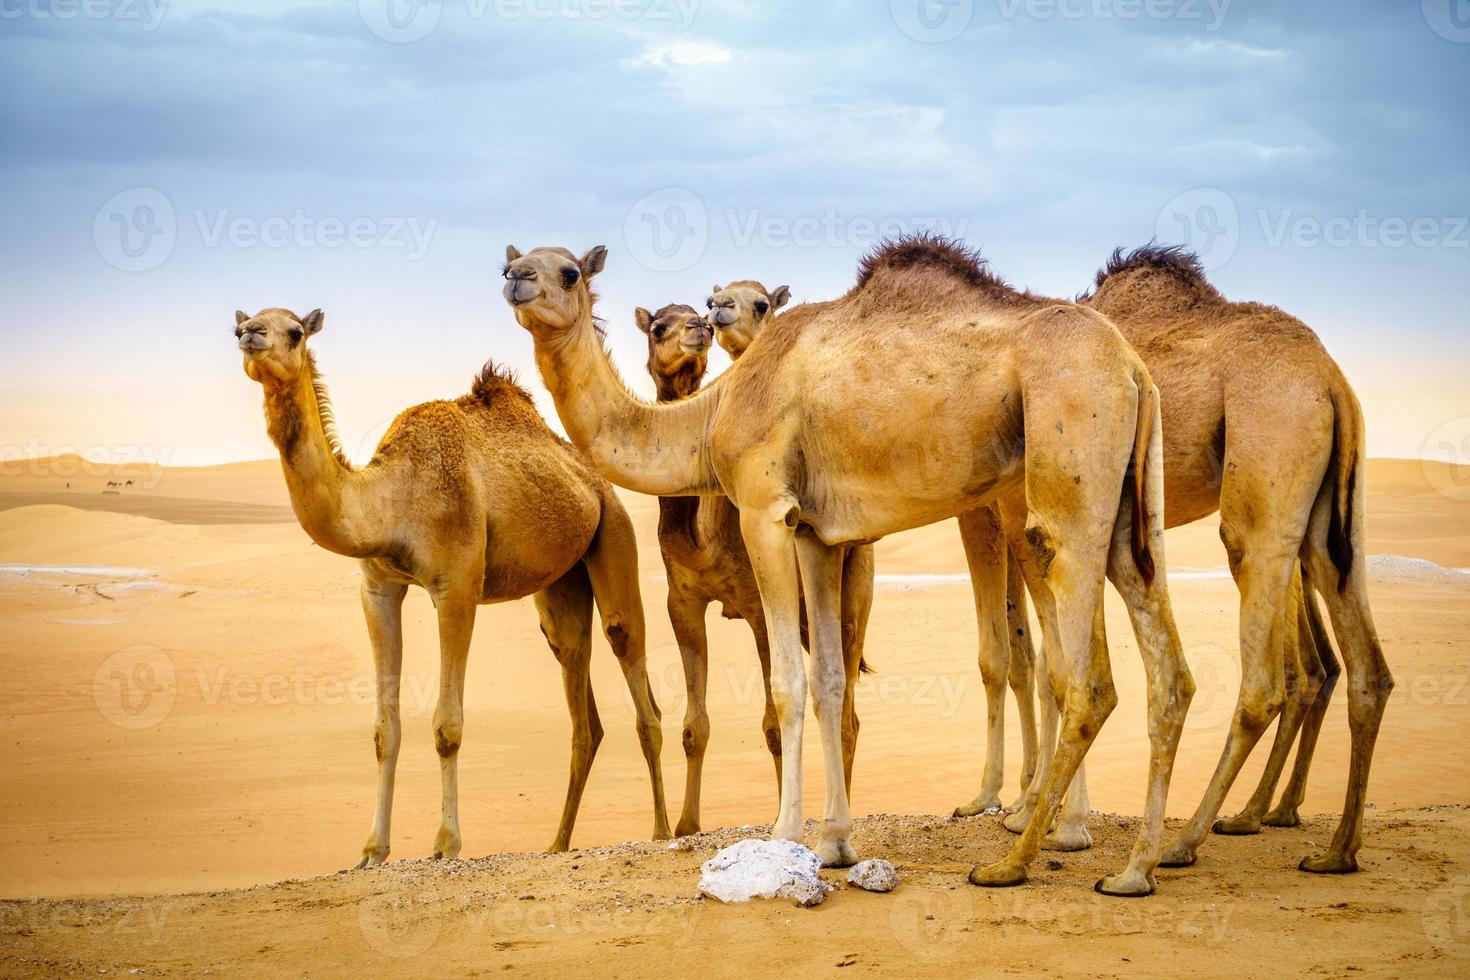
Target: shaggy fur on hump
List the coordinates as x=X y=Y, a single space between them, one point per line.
x=928 y=249
x=1174 y=260
x=494 y=381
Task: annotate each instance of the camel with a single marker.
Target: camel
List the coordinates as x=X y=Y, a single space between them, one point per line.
x=738 y=313
x=812 y=436
x=706 y=562
x=1261 y=424
x=475 y=501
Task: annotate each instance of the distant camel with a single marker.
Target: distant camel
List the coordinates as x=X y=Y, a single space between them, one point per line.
x=475 y=501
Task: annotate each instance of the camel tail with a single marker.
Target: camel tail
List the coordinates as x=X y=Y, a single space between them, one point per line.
x=1342 y=471
x=1148 y=410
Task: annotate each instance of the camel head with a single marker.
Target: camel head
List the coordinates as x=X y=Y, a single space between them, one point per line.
x=549 y=288
x=678 y=347
x=739 y=312
x=274 y=343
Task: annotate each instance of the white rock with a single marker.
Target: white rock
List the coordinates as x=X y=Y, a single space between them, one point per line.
x=873 y=875
x=764 y=869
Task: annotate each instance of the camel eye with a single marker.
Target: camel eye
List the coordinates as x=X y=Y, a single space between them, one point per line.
x=659 y=331
x=761 y=306
x=709 y=303
x=569 y=276
x=296 y=334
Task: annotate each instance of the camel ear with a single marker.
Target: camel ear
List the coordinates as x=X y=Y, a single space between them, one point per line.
x=643 y=318
x=240 y=317
x=313 y=322
x=780 y=297
x=594 y=260
x=512 y=253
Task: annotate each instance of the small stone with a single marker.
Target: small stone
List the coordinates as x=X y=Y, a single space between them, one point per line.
x=764 y=869
x=873 y=875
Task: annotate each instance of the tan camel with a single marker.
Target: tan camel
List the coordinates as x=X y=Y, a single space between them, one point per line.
x=1260 y=423
x=706 y=562
x=475 y=501
x=812 y=436
x=738 y=313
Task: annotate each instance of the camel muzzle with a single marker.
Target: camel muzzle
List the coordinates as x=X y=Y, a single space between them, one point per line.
x=723 y=316
x=520 y=291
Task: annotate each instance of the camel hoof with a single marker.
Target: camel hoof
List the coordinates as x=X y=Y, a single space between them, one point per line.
x=1240 y=825
x=1282 y=817
x=1329 y=864
x=979 y=808
x=836 y=853
x=1001 y=874
x=1067 y=839
x=1125 y=885
x=686 y=828
x=446 y=846
x=1016 y=821
x=1176 y=855
x=662 y=833
x=558 y=847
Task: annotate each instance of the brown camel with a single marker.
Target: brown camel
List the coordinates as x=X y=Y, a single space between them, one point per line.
x=1260 y=424
x=812 y=435
x=475 y=501
x=738 y=313
x=706 y=562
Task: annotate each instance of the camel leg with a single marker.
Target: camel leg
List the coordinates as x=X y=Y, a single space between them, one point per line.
x=686 y=613
x=821 y=578
x=985 y=553
x=1022 y=675
x=768 y=532
x=1263 y=553
x=382 y=606
x=1170 y=684
x=1069 y=832
x=1286 y=813
x=857 y=603
x=456 y=608
x=1369 y=683
x=1304 y=677
x=565 y=611
x=612 y=565
x=770 y=728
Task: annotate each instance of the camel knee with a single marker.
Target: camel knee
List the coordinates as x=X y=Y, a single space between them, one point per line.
x=1259 y=706
x=696 y=734
x=386 y=735
x=1086 y=711
x=447 y=736
x=618 y=637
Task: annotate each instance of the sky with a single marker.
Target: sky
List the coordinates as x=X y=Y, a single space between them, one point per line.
x=166 y=162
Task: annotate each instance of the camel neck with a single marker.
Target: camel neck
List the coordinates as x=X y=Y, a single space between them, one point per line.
x=323 y=487
x=654 y=449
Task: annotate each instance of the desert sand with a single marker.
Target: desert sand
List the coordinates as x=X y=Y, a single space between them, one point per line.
x=187 y=720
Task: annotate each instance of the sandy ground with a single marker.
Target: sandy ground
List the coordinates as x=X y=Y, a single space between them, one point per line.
x=188 y=708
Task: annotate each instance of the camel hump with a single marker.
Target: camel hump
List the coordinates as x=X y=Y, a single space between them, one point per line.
x=928 y=250
x=1173 y=261
x=494 y=382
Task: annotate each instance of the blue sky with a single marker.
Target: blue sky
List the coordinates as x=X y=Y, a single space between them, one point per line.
x=167 y=162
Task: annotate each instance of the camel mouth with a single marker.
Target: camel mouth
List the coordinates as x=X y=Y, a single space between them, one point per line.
x=519 y=292
x=699 y=345
x=249 y=347
x=723 y=316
